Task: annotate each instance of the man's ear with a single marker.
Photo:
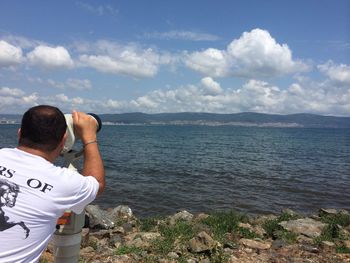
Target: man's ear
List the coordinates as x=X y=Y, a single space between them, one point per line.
x=63 y=141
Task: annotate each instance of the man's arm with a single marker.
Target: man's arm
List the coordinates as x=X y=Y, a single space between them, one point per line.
x=85 y=127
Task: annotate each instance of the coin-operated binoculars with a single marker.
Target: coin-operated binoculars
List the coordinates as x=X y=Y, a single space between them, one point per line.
x=67 y=238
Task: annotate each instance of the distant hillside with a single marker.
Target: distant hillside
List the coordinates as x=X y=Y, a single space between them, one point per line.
x=238 y=119
x=241 y=119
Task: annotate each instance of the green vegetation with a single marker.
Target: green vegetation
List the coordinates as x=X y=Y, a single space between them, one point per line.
x=332 y=231
x=128 y=250
x=175 y=237
x=341 y=219
x=275 y=231
x=246 y=233
x=150 y=224
x=221 y=223
x=179 y=233
x=342 y=249
x=224 y=227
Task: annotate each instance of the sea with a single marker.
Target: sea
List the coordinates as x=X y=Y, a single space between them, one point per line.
x=158 y=170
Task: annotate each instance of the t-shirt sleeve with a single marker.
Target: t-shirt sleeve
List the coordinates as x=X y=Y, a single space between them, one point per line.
x=86 y=194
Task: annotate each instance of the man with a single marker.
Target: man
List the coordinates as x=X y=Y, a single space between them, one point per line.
x=34 y=192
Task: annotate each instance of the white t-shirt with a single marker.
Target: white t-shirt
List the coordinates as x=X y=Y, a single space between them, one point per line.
x=34 y=193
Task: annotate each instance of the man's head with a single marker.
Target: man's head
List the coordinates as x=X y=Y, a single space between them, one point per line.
x=43 y=128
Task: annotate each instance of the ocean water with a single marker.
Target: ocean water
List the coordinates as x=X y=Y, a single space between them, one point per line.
x=158 y=170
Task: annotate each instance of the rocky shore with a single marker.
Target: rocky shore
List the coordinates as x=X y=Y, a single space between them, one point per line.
x=116 y=235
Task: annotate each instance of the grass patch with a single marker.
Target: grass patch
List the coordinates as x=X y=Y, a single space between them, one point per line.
x=123 y=250
x=332 y=231
x=337 y=219
x=246 y=233
x=221 y=223
x=342 y=249
x=275 y=231
x=150 y=224
x=180 y=232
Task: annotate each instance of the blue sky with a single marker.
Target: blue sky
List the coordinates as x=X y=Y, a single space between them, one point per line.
x=176 y=56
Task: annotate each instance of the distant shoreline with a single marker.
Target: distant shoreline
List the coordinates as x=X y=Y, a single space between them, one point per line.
x=244 y=119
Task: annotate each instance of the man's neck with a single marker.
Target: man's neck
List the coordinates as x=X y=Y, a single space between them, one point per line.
x=50 y=157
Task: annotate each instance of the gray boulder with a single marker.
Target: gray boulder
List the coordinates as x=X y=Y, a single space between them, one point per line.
x=98 y=218
x=183 y=215
x=304 y=226
x=202 y=243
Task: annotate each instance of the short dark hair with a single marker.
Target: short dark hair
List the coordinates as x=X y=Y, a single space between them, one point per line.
x=42 y=128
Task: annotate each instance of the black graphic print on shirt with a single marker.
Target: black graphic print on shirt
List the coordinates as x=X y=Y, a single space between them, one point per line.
x=8 y=196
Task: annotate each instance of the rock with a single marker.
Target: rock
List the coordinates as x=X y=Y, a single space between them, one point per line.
x=325 y=212
x=141 y=239
x=101 y=234
x=120 y=212
x=85 y=237
x=163 y=260
x=305 y=226
x=346 y=243
x=201 y=216
x=86 y=253
x=233 y=259
x=343 y=212
x=255 y=244
x=301 y=239
x=262 y=219
x=278 y=243
x=289 y=212
x=259 y=230
x=137 y=242
x=98 y=218
x=183 y=215
x=344 y=233
x=115 y=240
x=201 y=243
x=128 y=227
x=93 y=242
x=118 y=230
x=310 y=248
x=173 y=255
x=328 y=246
x=245 y=225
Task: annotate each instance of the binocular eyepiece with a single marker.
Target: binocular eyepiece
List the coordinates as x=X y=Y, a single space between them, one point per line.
x=70 y=130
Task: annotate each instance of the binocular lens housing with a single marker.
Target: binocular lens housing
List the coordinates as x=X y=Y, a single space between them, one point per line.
x=70 y=130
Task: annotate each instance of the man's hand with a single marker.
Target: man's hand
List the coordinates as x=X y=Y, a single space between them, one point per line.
x=85 y=127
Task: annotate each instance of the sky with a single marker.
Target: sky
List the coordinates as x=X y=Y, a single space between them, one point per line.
x=155 y=56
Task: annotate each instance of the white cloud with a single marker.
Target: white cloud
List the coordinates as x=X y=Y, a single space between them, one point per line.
x=79 y=84
x=339 y=73
x=182 y=35
x=70 y=83
x=128 y=60
x=254 y=95
x=14 y=100
x=212 y=87
x=254 y=54
x=50 y=57
x=9 y=54
x=12 y=92
x=99 y=9
x=20 y=41
x=304 y=95
x=211 y=62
